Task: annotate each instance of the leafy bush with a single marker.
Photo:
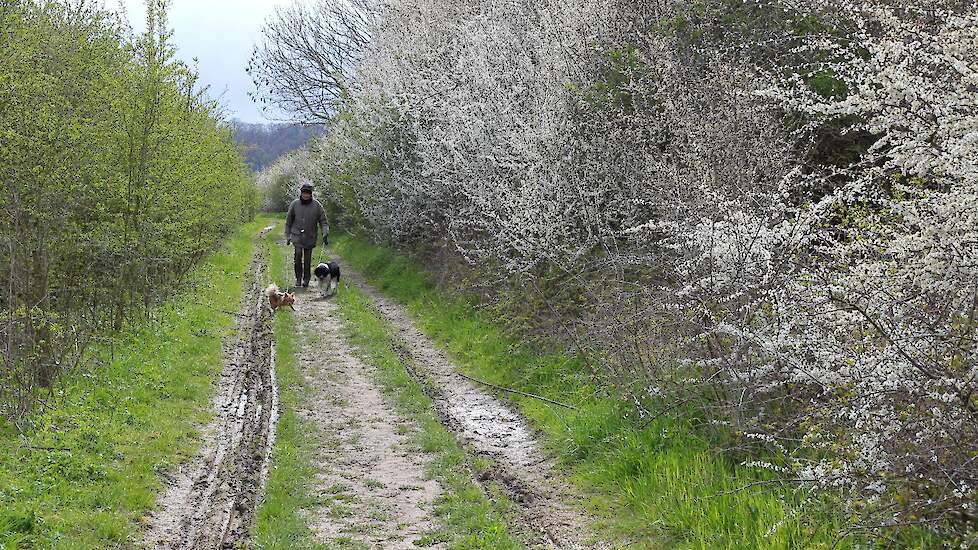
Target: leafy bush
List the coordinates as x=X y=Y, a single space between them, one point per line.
x=279 y=183
x=118 y=175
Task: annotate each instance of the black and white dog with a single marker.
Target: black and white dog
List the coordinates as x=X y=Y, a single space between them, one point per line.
x=328 y=275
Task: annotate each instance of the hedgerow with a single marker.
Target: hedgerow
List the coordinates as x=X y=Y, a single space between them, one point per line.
x=763 y=212
x=118 y=174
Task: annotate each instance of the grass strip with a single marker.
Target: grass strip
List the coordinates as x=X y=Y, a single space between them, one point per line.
x=91 y=468
x=658 y=486
x=281 y=522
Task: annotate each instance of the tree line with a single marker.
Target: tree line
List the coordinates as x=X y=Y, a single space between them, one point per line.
x=760 y=215
x=118 y=175
x=264 y=143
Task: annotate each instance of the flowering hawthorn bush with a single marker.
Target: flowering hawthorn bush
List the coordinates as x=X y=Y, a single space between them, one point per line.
x=770 y=207
x=875 y=322
x=279 y=183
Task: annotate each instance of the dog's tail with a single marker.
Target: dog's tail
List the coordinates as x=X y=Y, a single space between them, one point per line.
x=271 y=290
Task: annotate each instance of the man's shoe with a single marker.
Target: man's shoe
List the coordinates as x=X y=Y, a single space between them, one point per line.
x=298 y=282
x=305 y=284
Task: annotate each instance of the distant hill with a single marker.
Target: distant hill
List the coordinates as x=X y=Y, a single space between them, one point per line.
x=263 y=143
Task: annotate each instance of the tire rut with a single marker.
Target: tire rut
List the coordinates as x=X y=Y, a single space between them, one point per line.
x=210 y=502
x=547 y=507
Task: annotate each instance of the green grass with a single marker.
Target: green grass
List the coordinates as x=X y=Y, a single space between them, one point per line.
x=657 y=486
x=468 y=520
x=91 y=468
x=280 y=522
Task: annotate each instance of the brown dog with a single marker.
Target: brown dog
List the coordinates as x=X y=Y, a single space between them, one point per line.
x=278 y=299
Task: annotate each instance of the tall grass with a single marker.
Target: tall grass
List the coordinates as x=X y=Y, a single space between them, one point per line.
x=658 y=485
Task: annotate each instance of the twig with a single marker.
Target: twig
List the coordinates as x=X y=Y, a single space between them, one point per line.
x=37 y=448
x=233 y=313
x=517 y=392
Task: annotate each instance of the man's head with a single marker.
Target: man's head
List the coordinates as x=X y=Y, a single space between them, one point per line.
x=305 y=192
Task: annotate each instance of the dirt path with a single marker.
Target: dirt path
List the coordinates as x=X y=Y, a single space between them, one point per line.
x=372 y=486
x=374 y=489
x=210 y=501
x=547 y=505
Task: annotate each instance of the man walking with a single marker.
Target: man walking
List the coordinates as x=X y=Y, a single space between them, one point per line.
x=305 y=216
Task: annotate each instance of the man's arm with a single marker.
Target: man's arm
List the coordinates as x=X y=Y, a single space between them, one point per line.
x=289 y=220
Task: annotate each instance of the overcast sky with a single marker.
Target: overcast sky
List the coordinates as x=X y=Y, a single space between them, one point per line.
x=220 y=34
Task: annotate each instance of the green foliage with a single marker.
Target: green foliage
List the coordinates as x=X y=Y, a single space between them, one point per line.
x=728 y=23
x=118 y=176
x=827 y=85
x=278 y=193
x=613 y=90
x=656 y=481
x=91 y=468
x=686 y=23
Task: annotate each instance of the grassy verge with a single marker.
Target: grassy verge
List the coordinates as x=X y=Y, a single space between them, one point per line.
x=660 y=485
x=91 y=468
x=280 y=520
x=468 y=519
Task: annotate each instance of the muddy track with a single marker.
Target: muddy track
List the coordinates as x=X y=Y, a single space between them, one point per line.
x=210 y=502
x=549 y=510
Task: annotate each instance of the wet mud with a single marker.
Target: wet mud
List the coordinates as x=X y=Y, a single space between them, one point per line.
x=210 y=501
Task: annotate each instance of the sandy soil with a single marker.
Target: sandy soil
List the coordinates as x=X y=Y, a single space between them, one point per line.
x=373 y=486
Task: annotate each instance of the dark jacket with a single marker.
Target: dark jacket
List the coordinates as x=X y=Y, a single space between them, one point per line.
x=303 y=220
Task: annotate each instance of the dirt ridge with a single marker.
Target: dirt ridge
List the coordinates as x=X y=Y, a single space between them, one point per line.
x=210 y=501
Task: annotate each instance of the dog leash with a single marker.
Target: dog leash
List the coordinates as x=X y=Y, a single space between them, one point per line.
x=517 y=392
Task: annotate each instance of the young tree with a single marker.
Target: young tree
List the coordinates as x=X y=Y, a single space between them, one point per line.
x=306 y=63
x=117 y=177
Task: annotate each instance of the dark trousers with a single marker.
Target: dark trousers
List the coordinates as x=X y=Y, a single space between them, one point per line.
x=303 y=264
